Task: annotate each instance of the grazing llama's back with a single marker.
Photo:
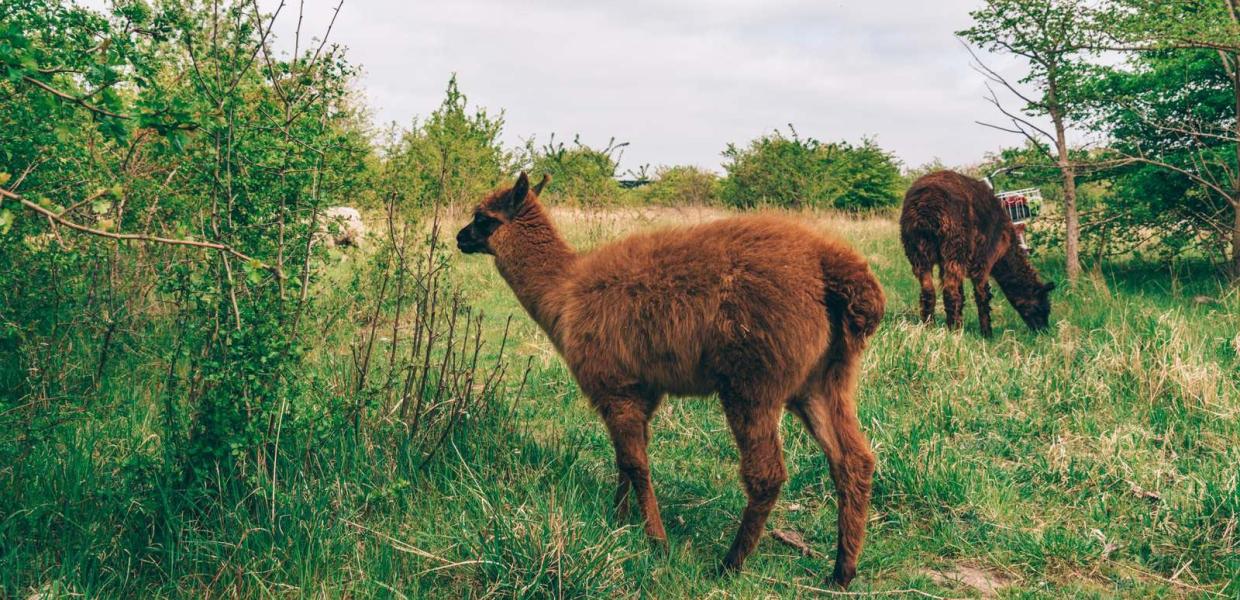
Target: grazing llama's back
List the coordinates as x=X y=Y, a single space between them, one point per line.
x=765 y=312
x=957 y=223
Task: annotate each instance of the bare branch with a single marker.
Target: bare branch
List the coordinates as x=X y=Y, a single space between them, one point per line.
x=994 y=99
x=1234 y=201
x=74 y=99
x=137 y=237
x=989 y=73
x=27 y=171
x=262 y=42
x=275 y=81
x=326 y=35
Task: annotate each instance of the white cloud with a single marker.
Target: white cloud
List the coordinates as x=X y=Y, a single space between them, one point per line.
x=679 y=79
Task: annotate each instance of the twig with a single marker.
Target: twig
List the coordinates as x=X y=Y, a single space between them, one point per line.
x=87 y=200
x=810 y=588
x=74 y=99
x=1187 y=586
x=476 y=561
x=397 y=544
x=28 y=170
x=137 y=237
x=232 y=292
x=326 y=35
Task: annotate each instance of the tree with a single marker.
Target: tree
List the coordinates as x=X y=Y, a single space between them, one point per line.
x=1050 y=35
x=1173 y=106
x=454 y=155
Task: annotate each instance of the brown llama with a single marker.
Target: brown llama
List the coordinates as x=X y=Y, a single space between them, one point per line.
x=957 y=223
x=767 y=313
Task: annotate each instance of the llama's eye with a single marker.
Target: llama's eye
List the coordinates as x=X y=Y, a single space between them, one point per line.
x=486 y=222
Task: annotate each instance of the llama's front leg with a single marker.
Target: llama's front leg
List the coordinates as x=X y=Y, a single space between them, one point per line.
x=952 y=279
x=756 y=429
x=981 y=297
x=626 y=422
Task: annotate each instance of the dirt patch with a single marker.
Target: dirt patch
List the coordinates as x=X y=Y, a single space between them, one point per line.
x=986 y=583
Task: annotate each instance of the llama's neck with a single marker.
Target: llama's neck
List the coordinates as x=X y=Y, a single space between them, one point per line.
x=534 y=261
x=1015 y=275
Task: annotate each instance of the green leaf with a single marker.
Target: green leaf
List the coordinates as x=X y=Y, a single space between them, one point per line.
x=4 y=178
x=6 y=221
x=100 y=206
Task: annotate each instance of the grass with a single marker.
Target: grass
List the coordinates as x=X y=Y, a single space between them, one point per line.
x=1097 y=460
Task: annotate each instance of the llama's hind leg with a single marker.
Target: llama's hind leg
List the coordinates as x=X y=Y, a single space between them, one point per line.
x=951 y=277
x=627 y=423
x=926 y=277
x=756 y=428
x=830 y=414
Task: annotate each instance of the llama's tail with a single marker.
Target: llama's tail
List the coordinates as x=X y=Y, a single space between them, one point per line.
x=855 y=300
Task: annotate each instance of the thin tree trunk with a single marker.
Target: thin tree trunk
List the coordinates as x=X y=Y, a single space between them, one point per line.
x=1231 y=62
x=1235 y=239
x=1072 y=224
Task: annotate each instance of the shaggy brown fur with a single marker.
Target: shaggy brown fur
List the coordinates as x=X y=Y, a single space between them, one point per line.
x=761 y=310
x=957 y=223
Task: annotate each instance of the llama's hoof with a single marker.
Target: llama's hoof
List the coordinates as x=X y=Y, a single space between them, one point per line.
x=843 y=577
x=727 y=568
x=659 y=546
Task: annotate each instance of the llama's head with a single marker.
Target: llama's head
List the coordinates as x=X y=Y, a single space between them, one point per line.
x=1035 y=306
x=496 y=211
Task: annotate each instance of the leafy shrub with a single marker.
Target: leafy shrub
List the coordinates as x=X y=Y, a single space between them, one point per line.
x=453 y=156
x=683 y=185
x=581 y=173
x=795 y=172
x=246 y=151
x=168 y=393
x=869 y=175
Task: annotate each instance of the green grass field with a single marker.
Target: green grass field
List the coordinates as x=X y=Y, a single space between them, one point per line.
x=1097 y=460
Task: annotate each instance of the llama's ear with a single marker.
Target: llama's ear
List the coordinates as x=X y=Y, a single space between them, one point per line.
x=541 y=184
x=519 y=191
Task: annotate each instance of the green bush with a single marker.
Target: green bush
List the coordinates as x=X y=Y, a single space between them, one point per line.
x=795 y=172
x=453 y=156
x=580 y=173
x=683 y=185
x=159 y=396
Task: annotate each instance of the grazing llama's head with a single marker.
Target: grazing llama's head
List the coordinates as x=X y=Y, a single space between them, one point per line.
x=1035 y=308
x=495 y=212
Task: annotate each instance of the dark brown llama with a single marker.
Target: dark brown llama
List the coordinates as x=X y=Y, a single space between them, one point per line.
x=957 y=223
x=767 y=313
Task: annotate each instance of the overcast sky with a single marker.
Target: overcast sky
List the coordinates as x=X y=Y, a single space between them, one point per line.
x=679 y=79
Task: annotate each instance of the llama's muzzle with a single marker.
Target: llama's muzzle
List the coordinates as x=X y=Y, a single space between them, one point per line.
x=468 y=243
